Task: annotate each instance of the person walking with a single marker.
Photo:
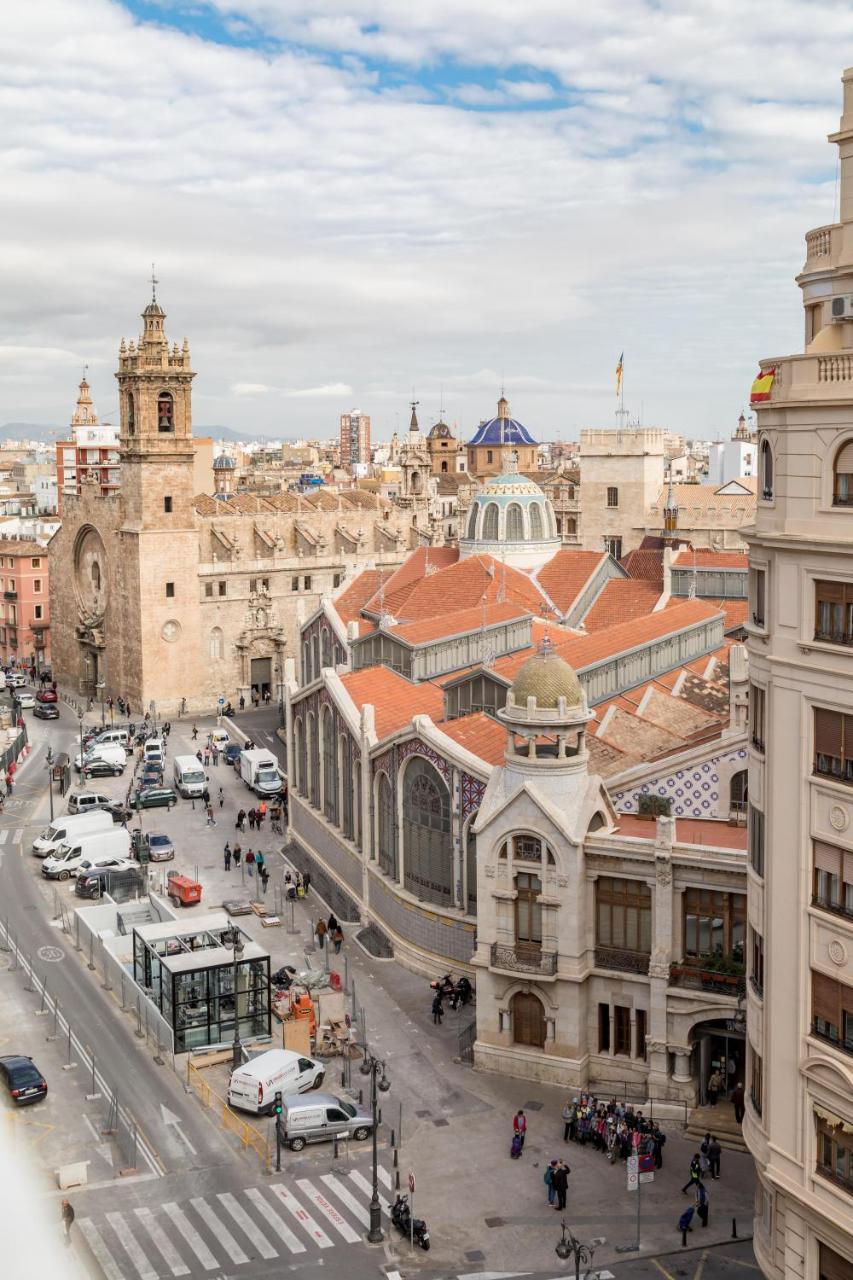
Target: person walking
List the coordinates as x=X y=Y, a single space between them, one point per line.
x=702 y=1204
x=320 y=930
x=658 y=1140
x=252 y=819
x=205 y=795
x=704 y=1157
x=695 y=1178
x=214 y=755
x=211 y=821
x=519 y=1125
x=264 y=876
x=67 y=1218
x=262 y=812
x=242 y=703
x=221 y=798
x=337 y=938
x=227 y=856
x=560 y=1180
x=332 y=922
x=237 y=855
x=250 y=862
x=568 y=1115
x=738 y=1102
x=715 y=1151
x=437 y=1009
x=260 y=862
x=195 y=733
x=241 y=818
x=549 y=1181
x=306 y=881
x=715 y=1084
x=686 y=1218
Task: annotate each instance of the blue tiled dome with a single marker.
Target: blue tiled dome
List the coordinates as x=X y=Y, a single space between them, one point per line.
x=224 y=463
x=500 y=431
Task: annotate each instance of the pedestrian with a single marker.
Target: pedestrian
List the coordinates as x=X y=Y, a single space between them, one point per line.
x=695 y=1174
x=715 y=1084
x=251 y=819
x=561 y=1183
x=737 y=1102
x=320 y=930
x=264 y=876
x=241 y=818
x=337 y=938
x=205 y=795
x=658 y=1140
x=568 y=1116
x=306 y=882
x=242 y=703
x=332 y=922
x=549 y=1181
x=714 y=1153
x=67 y=1217
x=250 y=862
x=702 y=1204
x=262 y=812
x=195 y=733
x=221 y=798
x=211 y=821
x=238 y=853
x=519 y=1125
x=260 y=861
x=686 y=1218
x=227 y=856
x=437 y=1009
x=199 y=757
x=704 y=1157
x=207 y=757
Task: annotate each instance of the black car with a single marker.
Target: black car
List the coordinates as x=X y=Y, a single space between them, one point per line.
x=151 y=776
x=46 y=711
x=154 y=797
x=102 y=769
x=119 y=812
x=23 y=1079
x=232 y=753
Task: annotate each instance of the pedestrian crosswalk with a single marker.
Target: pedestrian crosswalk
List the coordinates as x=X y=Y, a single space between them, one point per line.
x=226 y=1229
x=17 y=835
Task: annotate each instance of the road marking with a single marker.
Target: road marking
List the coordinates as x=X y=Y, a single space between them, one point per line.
x=95 y=1242
x=385 y=1177
x=18 y=836
x=288 y=1199
x=701 y=1267
x=241 y=1217
x=3 y=835
x=355 y=1207
x=274 y=1220
x=175 y=1122
x=366 y=1187
x=131 y=1246
x=328 y=1211
x=225 y=1238
x=189 y=1233
x=661 y=1269
x=162 y=1241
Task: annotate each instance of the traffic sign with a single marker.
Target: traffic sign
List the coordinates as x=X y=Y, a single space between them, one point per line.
x=411 y=1182
x=222 y=702
x=633 y=1168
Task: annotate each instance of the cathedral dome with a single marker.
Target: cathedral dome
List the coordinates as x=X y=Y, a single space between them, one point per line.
x=511 y=519
x=224 y=463
x=441 y=431
x=547 y=678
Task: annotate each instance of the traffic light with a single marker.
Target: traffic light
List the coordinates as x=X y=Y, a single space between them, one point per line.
x=277 y=1104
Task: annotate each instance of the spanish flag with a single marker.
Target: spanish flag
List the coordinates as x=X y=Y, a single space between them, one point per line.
x=619 y=373
x=762 y=386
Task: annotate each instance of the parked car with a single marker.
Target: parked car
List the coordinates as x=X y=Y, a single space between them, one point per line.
x=119 y=811
x=23 y=1079
x=15 y=679
x=25 y=700
x=154 y=797
x=160 y=847
x=232 y=753
x=87 y=801
x=94 y=882
x=46 y=711
x=151 y=776
x=102 y=769
x=47 y=695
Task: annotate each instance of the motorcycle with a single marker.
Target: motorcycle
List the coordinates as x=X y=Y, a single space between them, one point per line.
x=444 y=986
x=401 y=1216
x=455 y=993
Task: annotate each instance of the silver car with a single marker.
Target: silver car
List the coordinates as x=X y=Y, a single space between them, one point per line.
x=160 y=847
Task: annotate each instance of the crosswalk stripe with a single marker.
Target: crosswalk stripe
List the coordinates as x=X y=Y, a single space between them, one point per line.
x=302 y=1216
x=189 y=1233
x=95 y=1241
x=3 y=834
x=328 y=1211
x=225 y=1238
x=363 y=1183
x=357 y=1209
x=241 y=1217
x=131 y=1246
x=384 y=1176
x=274 y=1220
x=18 y=836
x=162 y=1241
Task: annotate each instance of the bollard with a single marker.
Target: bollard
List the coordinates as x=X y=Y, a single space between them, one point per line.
x=393 y=1141
x=77 y=946
x=68 y=1065
x=158 y=1056
x=55 y=1019
x=397 y=1180
x=335 y=1152
x=91 y=963
x=40 y=1012
x=396 y=1160
x=94 y=1095
x=361 y=1097
x=138 y=1033
x=28 y=967
x=734 y=1228
x=15 y=955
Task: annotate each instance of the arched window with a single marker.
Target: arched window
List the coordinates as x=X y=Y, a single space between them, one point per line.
x=306 y=661
x=165 y=412
x=842 y=486
x=571 y=525
x=535 y=520
x=471 y=868
x=96 y=575
x=131 y=415
x=739 y=791
x=315 y=657
x=386 y=833
x=444 y=465
x=528 y=915
x=326 y=647
x=348 y=787
x=528 y=1020
x=330 y=767
x=514 y=523
x=490 y=521
x=313 y=761
x=472 y=521
x=299 y=736
x=427 y=844
x=217 y=644
x=766 y=457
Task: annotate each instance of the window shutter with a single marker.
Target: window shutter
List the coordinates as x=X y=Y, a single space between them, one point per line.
x=844 y=460
x=831 y=591
x=828 y=858
x=825 y=1001
x=848 y=868
x=828 y=728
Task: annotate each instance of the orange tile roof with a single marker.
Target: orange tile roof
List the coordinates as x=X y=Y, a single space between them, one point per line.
x=351 y=601
x=711 y=560
x=567 y=573
x=707 y=831
x=644 y=563
x=461 y=586
x=420 y=564
x=734 y=611
x=458 y=623
x=621 y=600
x=478 y=733
x=394 y=698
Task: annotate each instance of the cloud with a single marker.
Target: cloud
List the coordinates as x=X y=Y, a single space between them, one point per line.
x=334 y=389
x=250 y=389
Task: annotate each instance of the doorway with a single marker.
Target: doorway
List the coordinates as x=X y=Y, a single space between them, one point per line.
x=261 y=676
x=528 y=1020
x=722 y=1049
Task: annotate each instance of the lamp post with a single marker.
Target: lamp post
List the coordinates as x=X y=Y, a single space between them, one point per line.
x=101 y=685
x=569 y=1246
x=374 y=1067
x=49 y=764
x=80 y=721
x=236 y=943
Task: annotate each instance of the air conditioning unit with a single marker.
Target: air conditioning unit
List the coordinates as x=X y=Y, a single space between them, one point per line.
x=842 y=307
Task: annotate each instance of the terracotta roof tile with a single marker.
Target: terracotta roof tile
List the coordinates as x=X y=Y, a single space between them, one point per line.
x=459 y=586
x=567 y=573
x=419 y=565
x=457 y=623
x=711 y=559
x=645 y=563
x=395 y=699
x=735 y=612
x=621 y=600
x=640 y=737
x=478 y=733
x=351 y=601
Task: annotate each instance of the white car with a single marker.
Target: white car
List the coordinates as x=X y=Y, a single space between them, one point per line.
x=25 y=700
x=14 y=679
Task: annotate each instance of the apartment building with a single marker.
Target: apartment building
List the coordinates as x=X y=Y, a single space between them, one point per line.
x=24 y=608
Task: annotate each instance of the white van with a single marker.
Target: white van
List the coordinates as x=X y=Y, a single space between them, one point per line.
x=66 y=830
x=110 y=738
x=189 y=777
x=154 y=750
x=99 y=845
x=254 y=1085
x=114 y=754
x=87 y=801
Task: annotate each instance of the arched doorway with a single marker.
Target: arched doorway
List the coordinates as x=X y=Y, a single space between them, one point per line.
x=739 y=791
x=528 y=1020
x=427 y=843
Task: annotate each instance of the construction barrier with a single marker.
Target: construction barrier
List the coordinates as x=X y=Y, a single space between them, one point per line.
x=247 y=1135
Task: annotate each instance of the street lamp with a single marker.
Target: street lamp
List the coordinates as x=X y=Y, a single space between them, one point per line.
x=101 y=685
x=80 y=719
x=49 y=763
x=374 y=1067
x=235 y=941
x=568 y=1246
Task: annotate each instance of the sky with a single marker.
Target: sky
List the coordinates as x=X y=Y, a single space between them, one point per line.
x=357 y=202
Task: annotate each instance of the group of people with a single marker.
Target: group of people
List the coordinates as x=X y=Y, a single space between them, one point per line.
x=331 y=930
x=296 y=885
x=705 y=1164
x=614 y=1128
x=255 y=817
x=251 y=860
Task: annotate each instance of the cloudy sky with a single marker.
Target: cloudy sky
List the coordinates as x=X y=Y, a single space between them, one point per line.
x=347 y=200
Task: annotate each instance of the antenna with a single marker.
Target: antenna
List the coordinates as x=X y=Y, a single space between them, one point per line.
x=154 y=284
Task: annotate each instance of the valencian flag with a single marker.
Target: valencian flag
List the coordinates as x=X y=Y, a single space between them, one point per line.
x=762 y=385
x=619 y=373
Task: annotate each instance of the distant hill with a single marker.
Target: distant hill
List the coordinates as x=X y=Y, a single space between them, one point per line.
x=42 y=431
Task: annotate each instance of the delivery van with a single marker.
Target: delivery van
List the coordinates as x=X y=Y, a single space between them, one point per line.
x=113 y=753
x=154 y=750
x=189 y=777
x=66 y=830
x=254 y=1085
x=322 y=1117
x=68 y=858
x=110 y=738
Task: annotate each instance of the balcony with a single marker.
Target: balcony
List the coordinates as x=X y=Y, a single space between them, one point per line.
x=836 y=908
x=618 y=958
x=10 y=595
x=721 y=976
x=523 y=959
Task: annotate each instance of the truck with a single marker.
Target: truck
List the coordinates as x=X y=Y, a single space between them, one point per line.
x=260 y=772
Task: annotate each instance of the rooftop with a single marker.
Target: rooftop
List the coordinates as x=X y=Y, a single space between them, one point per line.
x=711 y=832
x=567 y=573
x=395 y=699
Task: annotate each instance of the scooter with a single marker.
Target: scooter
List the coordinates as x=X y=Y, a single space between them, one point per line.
x=444 y=986
x=401 y=1216
x=462 y=993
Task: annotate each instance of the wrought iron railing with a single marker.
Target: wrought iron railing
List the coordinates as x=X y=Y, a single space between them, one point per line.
x=619 y=958
x=523 y=959
x=724 y=984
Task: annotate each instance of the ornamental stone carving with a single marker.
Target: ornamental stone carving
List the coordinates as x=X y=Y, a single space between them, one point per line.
x=663 y=871
x=838 y=817
x=656 y=1046
x=659 y=964
x=837 y=952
